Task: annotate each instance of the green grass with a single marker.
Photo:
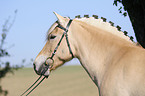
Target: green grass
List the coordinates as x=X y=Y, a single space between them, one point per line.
x=64 y=81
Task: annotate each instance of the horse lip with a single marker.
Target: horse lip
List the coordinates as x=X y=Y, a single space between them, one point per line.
x=37 y=72
x=43 y=70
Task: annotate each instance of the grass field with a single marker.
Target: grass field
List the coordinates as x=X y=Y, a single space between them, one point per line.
x=65 y=81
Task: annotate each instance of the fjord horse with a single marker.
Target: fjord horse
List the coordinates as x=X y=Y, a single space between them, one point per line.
x=114 y=63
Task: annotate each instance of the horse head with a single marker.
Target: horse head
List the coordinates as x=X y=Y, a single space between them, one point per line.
x=57 y=40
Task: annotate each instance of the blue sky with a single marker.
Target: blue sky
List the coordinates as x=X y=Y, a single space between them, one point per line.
x=35 y=17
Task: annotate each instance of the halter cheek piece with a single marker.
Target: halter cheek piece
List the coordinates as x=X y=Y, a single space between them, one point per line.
x=51 y=58
x=68 y=44
x=64 y=34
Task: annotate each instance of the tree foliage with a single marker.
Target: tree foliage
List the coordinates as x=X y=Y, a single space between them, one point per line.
x=121 y=9
x=5 y=65
x=136 y=12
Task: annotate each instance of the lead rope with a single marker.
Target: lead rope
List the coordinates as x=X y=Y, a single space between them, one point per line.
x=47 y=66
x=31 y=86
x=36 y=86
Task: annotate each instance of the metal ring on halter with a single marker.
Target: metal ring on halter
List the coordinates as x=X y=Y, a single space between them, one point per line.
x=47 y=60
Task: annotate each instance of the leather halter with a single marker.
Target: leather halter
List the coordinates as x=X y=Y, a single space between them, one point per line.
x=68 y=44
x=47 y=66
x=66 y=35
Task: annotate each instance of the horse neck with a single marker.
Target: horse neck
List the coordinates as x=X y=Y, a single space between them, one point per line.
x=94 y=49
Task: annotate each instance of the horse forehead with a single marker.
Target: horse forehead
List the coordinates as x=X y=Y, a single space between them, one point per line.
x=52 y=28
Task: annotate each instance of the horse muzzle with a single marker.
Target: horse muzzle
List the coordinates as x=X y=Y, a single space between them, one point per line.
x=42 y=70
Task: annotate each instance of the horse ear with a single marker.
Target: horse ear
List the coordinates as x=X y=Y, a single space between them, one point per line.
x=61 y=19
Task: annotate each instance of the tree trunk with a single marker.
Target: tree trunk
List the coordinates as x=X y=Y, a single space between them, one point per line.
x=136 y=11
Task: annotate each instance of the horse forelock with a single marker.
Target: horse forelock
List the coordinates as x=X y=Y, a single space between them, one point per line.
x=107 y=27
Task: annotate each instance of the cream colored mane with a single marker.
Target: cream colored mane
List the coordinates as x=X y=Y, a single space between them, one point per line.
x=104 y=26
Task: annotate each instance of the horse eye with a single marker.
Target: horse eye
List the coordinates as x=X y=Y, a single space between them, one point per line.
x=52 y=36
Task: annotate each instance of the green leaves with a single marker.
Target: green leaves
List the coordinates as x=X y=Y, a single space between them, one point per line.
x=121 y=9
x=5 y=65
x=116 y=2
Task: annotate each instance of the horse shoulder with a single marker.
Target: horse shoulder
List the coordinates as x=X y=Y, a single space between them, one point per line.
x=126 y=75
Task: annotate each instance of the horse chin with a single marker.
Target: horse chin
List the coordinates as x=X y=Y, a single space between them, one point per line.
x=55 y=66
x=46 y=73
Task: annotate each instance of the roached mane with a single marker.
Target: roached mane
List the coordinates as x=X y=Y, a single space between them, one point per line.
x=102 y=24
